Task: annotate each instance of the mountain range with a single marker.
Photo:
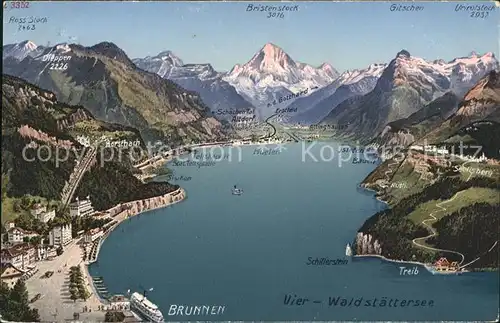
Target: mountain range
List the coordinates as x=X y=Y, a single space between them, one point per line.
x=269 y=75
x=201 y=78
x=32 y=117
x=103 y=79
x=313 y=108
x=106 y=82
x=476 y=121
x=406 y=85
x=445 y=197
x=407 y=101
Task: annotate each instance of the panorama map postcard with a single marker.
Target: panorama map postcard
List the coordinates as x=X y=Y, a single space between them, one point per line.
x=235 y=161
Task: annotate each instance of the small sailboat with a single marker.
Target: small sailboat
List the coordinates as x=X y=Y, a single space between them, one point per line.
x=348 y=250
x=236 y=191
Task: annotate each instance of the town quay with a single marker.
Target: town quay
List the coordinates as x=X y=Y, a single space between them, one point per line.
x=33 y=264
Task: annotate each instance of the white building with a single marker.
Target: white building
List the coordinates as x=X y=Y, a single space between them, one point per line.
x=435 y=149
x=17 y=235
x=9 y=225
x=92 y=235
x=480 y=159
x=60 y=235
x=21 y=256
x=10 y=276
x=81 y=208
x=244 y=119
x=419 y=148
x=39 y=211
x=83 y=140
x=43 y=252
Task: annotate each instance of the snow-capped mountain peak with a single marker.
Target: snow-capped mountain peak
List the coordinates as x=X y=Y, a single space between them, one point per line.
x=166 y=56
x=217 y=94
x=170 y=57
x=273 y=65
x=20 y=50
x=163 y=64
x=475 y=59
x=29 y=45
x=326 y=66
x=403 y=54
x=235 y=69
x=349 y=84
x=410 y=82
x=271 y=58
x=272 y=73
x=63 y=48
x=354 y=76
x=489 y=54
x=329 y=70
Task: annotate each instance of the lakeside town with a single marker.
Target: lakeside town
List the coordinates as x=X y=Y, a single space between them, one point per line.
x=46 y=266
x=48 y=252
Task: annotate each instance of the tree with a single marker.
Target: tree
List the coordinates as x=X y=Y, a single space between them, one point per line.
x=83 y=293
x=73 y=284
x=73 y=291
x=40 y=227
x=14 y=304
x=25 y=202
x=114 y=317
x=19 y=293
x=5 y=184
x=79 y=279
x=16 y=206
x=24 y=221
x=36 y=240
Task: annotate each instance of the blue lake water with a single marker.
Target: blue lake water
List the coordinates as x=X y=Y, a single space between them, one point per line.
x=248 y=252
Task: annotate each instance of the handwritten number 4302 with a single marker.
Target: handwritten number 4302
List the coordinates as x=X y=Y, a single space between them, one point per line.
x=58 y=66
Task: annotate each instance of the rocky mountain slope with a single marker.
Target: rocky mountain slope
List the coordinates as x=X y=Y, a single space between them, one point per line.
x=406 y=85
x=106 y=82
x=405 y=131
x=417 y=186
x=271 y=73
x=313 y=108
x=21 y=50
x=32 y=118
x=216 y=93
x=477 y=120
x=457 y=193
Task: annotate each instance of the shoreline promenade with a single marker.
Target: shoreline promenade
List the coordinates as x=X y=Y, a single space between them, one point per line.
x=55 y=304
x=134 y=208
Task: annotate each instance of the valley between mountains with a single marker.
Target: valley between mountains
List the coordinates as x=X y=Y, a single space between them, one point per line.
x=409 y=103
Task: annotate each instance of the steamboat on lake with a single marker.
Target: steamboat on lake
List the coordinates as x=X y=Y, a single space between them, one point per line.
x=145 y=308
x=236 y=191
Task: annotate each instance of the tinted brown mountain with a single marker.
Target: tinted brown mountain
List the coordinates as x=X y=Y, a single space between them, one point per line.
x=31 y=118
x=106 y=82
x=477 y=120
